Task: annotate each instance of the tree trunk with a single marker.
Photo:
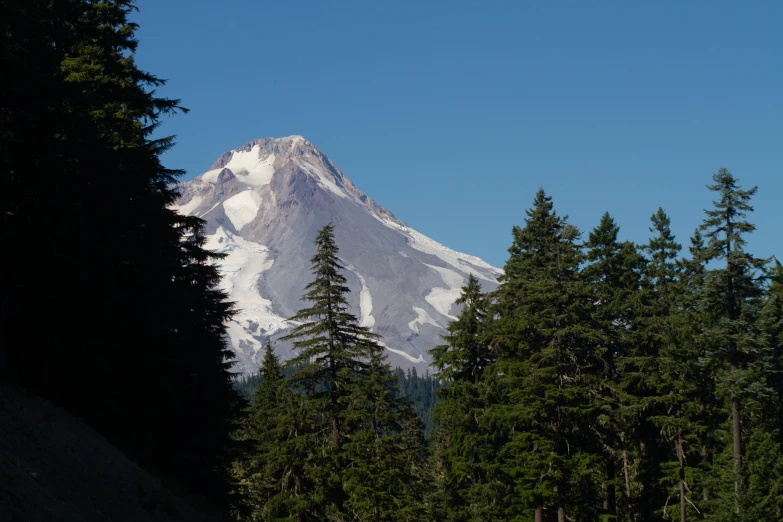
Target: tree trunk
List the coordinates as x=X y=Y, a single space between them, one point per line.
x=626 y=476
x=611 y=487
x=735 y=425
x=539 y=514
x=681 y=458
x=735 y=407
x=560 y=509
x=682 y=500
x=704 y=454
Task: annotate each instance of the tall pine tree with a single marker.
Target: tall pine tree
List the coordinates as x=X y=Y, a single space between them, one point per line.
x=729 y=302
x=354 y=437
x=464 y=455
x=545 y=371
x=613 y=275
x=674 y=373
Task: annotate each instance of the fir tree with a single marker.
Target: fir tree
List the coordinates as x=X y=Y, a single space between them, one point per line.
x=705 y=479
x=729 y=301
x=260 y=473
x=674 y=373
x=331 y=351
x=386 y=451
x=772 y=321
x=342 y=379
x=464 y=455
x=763 y=421
x=465 y=354
x=545 y=370
x=613 y=274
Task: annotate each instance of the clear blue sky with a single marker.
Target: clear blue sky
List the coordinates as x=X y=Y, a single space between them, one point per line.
x=452 y=114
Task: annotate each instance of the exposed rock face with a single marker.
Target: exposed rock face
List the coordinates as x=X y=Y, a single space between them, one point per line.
x=264 y=203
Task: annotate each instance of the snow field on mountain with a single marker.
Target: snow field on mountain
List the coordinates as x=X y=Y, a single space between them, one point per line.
x=242 y=208
x=463 y=262
x=213 y=207
x=419 y=359
x=243 y=266
x=188 y=207
x=211 y=176
x=311 y=186
x=249 y=168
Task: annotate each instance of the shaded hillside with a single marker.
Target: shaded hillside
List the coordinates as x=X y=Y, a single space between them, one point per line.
x=55 y=468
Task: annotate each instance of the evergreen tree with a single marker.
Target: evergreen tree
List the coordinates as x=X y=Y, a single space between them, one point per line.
x=385 y=452
x=332 y=349
x=422 y=392
x=342 y=379
x=674 y=372
x=464 y=455
x=545 y=371
x=764 y=458
x=705 y=478
x=773 y=337
x=261 y=471
x=729 y=303
x=465 y=354
x=613 y=275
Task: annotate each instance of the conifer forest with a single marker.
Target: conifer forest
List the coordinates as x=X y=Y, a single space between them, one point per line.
x=603 y=380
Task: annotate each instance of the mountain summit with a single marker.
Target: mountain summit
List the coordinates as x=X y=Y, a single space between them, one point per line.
x=265 y=201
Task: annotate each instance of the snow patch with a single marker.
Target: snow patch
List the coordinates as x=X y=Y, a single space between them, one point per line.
x=188 y=207
x=242 y=208
x=211 y=176
x=442 y=299
x=365 y=300
x=422 y=317
x=249 y=168
x=419 y=359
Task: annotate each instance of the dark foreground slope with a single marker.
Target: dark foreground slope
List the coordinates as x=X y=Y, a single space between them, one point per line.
x=55 y=468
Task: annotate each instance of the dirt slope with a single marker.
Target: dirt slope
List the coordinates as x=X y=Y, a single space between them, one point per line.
x=55 y=468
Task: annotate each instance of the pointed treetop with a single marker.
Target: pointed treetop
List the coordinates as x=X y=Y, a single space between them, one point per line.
x=663 y=247
x=465 y=354
x=602 y=240
x=543 y=229
x=270 y=366
x=725 y=224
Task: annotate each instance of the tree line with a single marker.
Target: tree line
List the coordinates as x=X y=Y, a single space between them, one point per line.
x=421 y=390
x=604 y=380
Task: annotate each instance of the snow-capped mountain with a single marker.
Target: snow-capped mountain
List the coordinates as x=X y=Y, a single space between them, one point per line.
x=264 y=203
